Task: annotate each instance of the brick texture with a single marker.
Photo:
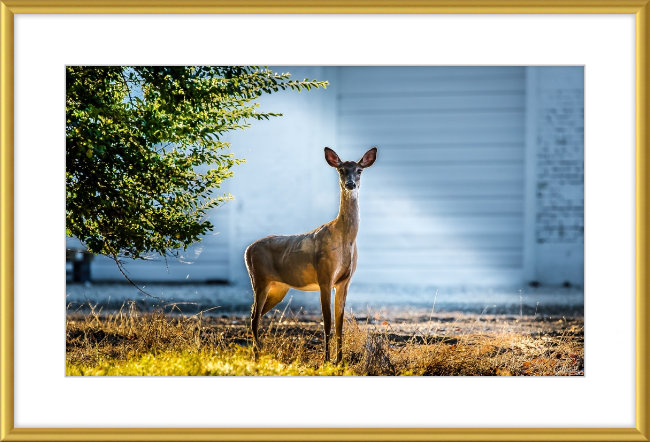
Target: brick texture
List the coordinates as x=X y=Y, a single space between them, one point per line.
x=560 y=160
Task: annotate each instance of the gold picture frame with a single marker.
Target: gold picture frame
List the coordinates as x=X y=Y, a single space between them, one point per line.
x=8 y=8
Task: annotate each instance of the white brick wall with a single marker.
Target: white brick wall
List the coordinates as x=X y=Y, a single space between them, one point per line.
x=559 y=228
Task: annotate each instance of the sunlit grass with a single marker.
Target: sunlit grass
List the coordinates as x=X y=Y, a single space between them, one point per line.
x=201 y=363
x=128 y=343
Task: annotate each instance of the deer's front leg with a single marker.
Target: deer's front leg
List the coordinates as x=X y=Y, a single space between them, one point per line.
x=325 y=305
x=339 y=313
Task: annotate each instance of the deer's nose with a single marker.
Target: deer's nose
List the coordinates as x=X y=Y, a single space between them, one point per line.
x=350 y=185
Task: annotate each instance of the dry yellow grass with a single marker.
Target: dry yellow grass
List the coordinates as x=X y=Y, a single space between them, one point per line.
x=131 y=343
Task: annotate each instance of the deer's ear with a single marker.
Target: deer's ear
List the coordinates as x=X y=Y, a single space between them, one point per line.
x=368 y=158
x=332 y=158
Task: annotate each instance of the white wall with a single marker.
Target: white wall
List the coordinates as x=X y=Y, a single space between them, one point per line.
x=285 y=187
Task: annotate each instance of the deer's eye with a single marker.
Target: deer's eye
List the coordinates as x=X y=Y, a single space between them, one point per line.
x=359 y=171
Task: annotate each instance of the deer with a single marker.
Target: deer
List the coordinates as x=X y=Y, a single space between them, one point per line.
x=320 y=260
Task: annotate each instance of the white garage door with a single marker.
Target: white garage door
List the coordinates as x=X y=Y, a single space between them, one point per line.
x=444 y=203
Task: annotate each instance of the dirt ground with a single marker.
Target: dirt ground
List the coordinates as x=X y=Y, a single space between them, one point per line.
x=402 y=326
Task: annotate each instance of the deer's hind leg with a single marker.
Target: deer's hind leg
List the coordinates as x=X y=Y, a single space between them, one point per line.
x=260 y=292
x=277 y=292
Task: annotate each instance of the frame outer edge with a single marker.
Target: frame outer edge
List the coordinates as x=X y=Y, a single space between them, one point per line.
x=325 y=9
x=328 y=434
x=6 y=220
x=327 y=6
x=7 y=431
x=642 y=219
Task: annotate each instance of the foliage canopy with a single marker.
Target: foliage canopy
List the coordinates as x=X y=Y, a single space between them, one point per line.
x=135 y=138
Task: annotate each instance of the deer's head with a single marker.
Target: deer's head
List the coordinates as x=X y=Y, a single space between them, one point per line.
x=350 y=171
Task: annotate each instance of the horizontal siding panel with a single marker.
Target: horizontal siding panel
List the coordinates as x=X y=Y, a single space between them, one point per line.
x=437 y=277
x=378 y=105
x=98 y=262
x=355 y=74
x=102 y=270
x=212 y=248
x=422 y=85
x=449 y=188
x=448 y=225
x=431 y=173
x=218 y=240
x=198 y=253
x=449 y=241
x=369 y=123
x=436 y=207
x=434 y=144
x=440 y=259
x=403 y=156
x=421 y=135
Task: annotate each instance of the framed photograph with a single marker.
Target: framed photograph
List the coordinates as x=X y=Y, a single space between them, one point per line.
x=518 y=114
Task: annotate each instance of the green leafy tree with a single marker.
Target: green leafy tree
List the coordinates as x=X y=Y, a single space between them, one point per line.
x=135 y=138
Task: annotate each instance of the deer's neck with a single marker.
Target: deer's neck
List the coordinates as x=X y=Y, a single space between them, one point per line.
x=348 y=218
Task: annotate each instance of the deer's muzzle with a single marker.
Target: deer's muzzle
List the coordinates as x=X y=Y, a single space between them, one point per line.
x=350 y=185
